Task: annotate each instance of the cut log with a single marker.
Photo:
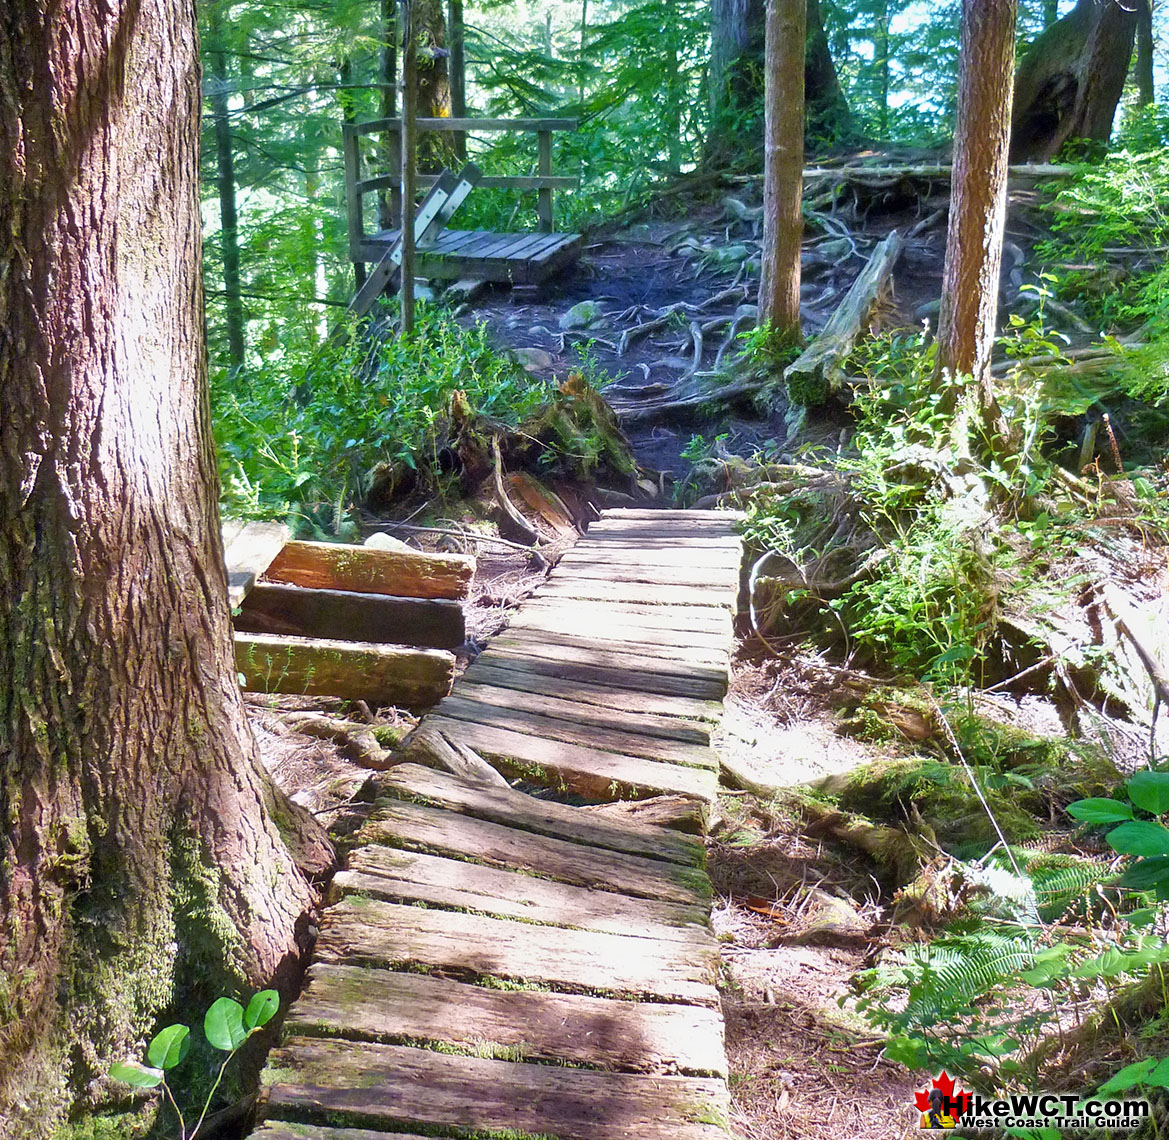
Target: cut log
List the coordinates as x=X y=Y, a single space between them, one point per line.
x=379 y=1006
x=296 y=611
x=675 y=812
x=367 y=570
x=378 y=674
x=818 y=372
x=248 y=549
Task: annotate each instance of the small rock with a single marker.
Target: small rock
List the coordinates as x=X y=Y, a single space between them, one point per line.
x=423 y=291
x=379 y=540
x=534 y=359
x=830 y=920
x=540 y=330
x=580 y=316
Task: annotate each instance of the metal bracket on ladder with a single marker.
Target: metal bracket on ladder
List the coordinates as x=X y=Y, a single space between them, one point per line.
x=438 y=207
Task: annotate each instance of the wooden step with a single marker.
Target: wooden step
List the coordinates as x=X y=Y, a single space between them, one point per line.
x=248 y=550
x=648 y=570
x=394 y=1088
x=412 y=877
x=564 y=622
x=678 y=617
x=522 y=813
x=639 y=593
x=368 y=932
x=590 y=648
x=589 y=772
x=361 y=1004
x=419 y=827
x=589 y=735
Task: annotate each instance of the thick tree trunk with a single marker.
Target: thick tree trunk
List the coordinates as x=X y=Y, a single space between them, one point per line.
x=458 y=72
x=828 y=119
x=433 y=84
x=140 y=849
x=978 y=210
x=1070 y=81
x=225 y=183
x=1143 y=64
x=783 y=170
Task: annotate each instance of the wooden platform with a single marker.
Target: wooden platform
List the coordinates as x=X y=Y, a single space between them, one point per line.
x=492 y=962
x=517 y=259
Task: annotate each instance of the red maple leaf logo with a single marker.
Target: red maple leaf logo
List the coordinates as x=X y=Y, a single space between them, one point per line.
x=958 y=1100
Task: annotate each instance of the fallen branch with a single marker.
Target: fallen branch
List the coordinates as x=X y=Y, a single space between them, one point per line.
x=518 y=523
x=431 y=748
x=356 y=741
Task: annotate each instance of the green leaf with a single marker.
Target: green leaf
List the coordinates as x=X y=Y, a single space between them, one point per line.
x=136 y=1074
x=1146 y=874
x=1159 y=1077
x=170 y=1046
x=1150 y=791
x=224 y=1025
x=1098 y=810
x=261 y=1009
x=1139 y=837
x=1128 y=1077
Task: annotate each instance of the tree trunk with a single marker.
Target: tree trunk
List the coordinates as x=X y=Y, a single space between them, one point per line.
x=978 y=210
x=1050 y=12
x=140 y=852
x=408 y=17
x=828 y=119
x=1071 y=79
x=783 y=170
x=458 y=72
x=387 y=105
x=433 y=83
x=1146 y=94
x=225 y=183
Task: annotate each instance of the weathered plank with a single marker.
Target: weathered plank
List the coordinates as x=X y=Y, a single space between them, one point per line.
x=647 y=570
x=431 y=830
x=727 y=519
x=636 y=592
x=669 y=728
x=367 y=932
x=365 y=569
x=589 y=772
x=543 y=817
x=620 y=693
x=379 y=674
x=396 y=1087
x=702 y=660
x=627 y=743
x=666 y=681
x=248 y=550
x=377 y=1005
x=298 y=1130
x=564 y=620
x=590 y=551
x=394 y=875
x=704 y=619
x=300 y=612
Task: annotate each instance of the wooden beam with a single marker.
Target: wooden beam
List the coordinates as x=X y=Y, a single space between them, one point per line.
x=366 y=570
x=494 y=182
x=249 y=548
x=379 y=674
x=295 y=611
x=374 y=126
x=544 y=169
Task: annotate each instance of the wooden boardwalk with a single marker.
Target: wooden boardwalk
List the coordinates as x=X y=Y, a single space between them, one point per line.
x=498 y=965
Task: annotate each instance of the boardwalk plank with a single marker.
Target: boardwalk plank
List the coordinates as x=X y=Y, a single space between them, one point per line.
x=543 y=817
x=697 y=659
x=392 y=1086
x=649 y=615
x=643 y=571
x=589 y=735
x=377 y=1005
x=564 y=621
x=407 y=876
x=589 y=772
x=365 y=931
x=639 y=593
x=418 y=827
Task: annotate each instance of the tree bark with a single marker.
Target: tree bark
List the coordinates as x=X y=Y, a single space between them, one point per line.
x=408 y=17
x=433 y=83
x=1070 y=80
x=783 y=170
x=225 y=184
x=974 y=241
x=1146 y=93
x=140 y=853
x=458 y=72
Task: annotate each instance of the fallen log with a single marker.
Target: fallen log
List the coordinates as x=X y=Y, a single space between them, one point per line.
x=431 y=748
x=818 y=372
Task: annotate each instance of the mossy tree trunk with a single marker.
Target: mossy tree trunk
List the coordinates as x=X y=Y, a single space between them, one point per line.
x=978 y=209
x=140 y=852
x=433 y=83
x=1143 y=62
x=1070 y=80
x=783 y=170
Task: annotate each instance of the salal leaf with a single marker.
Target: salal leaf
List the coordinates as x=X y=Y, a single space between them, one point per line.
x=261 y=1009
x=136 y=1074
x=1098 y=810
x=224 y=1025
x=169 y=1047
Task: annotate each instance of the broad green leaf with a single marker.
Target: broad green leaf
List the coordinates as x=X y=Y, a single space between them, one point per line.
x=1159 y=1077
x=1098 y=810
x=1150 y=791
x=1146 y=916
x=261 y=1009
x=224 y=1025
x=136 y=1074
x=1128 y=1077
x=170 y=1046
x=1146 y=874
x=1139 y=837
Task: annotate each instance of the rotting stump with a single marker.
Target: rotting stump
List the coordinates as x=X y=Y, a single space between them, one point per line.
x=497 y=964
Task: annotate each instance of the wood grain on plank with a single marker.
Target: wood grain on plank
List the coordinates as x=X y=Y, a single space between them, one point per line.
x=434 y=831
x=676 y=618
x=249 y=548
x=379 y=1005
x=647 y=571
x=681 y=557
x=617 y=740
x=395 y=1087
x=639 y=593
x=619 y=693
x=365 y=569
x=355 y=670
x=543 y=817
x=298 y=1130
x=408 y=876
x=357 y=932
x=589 y=772
x=564 y=621
x=699 y=656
